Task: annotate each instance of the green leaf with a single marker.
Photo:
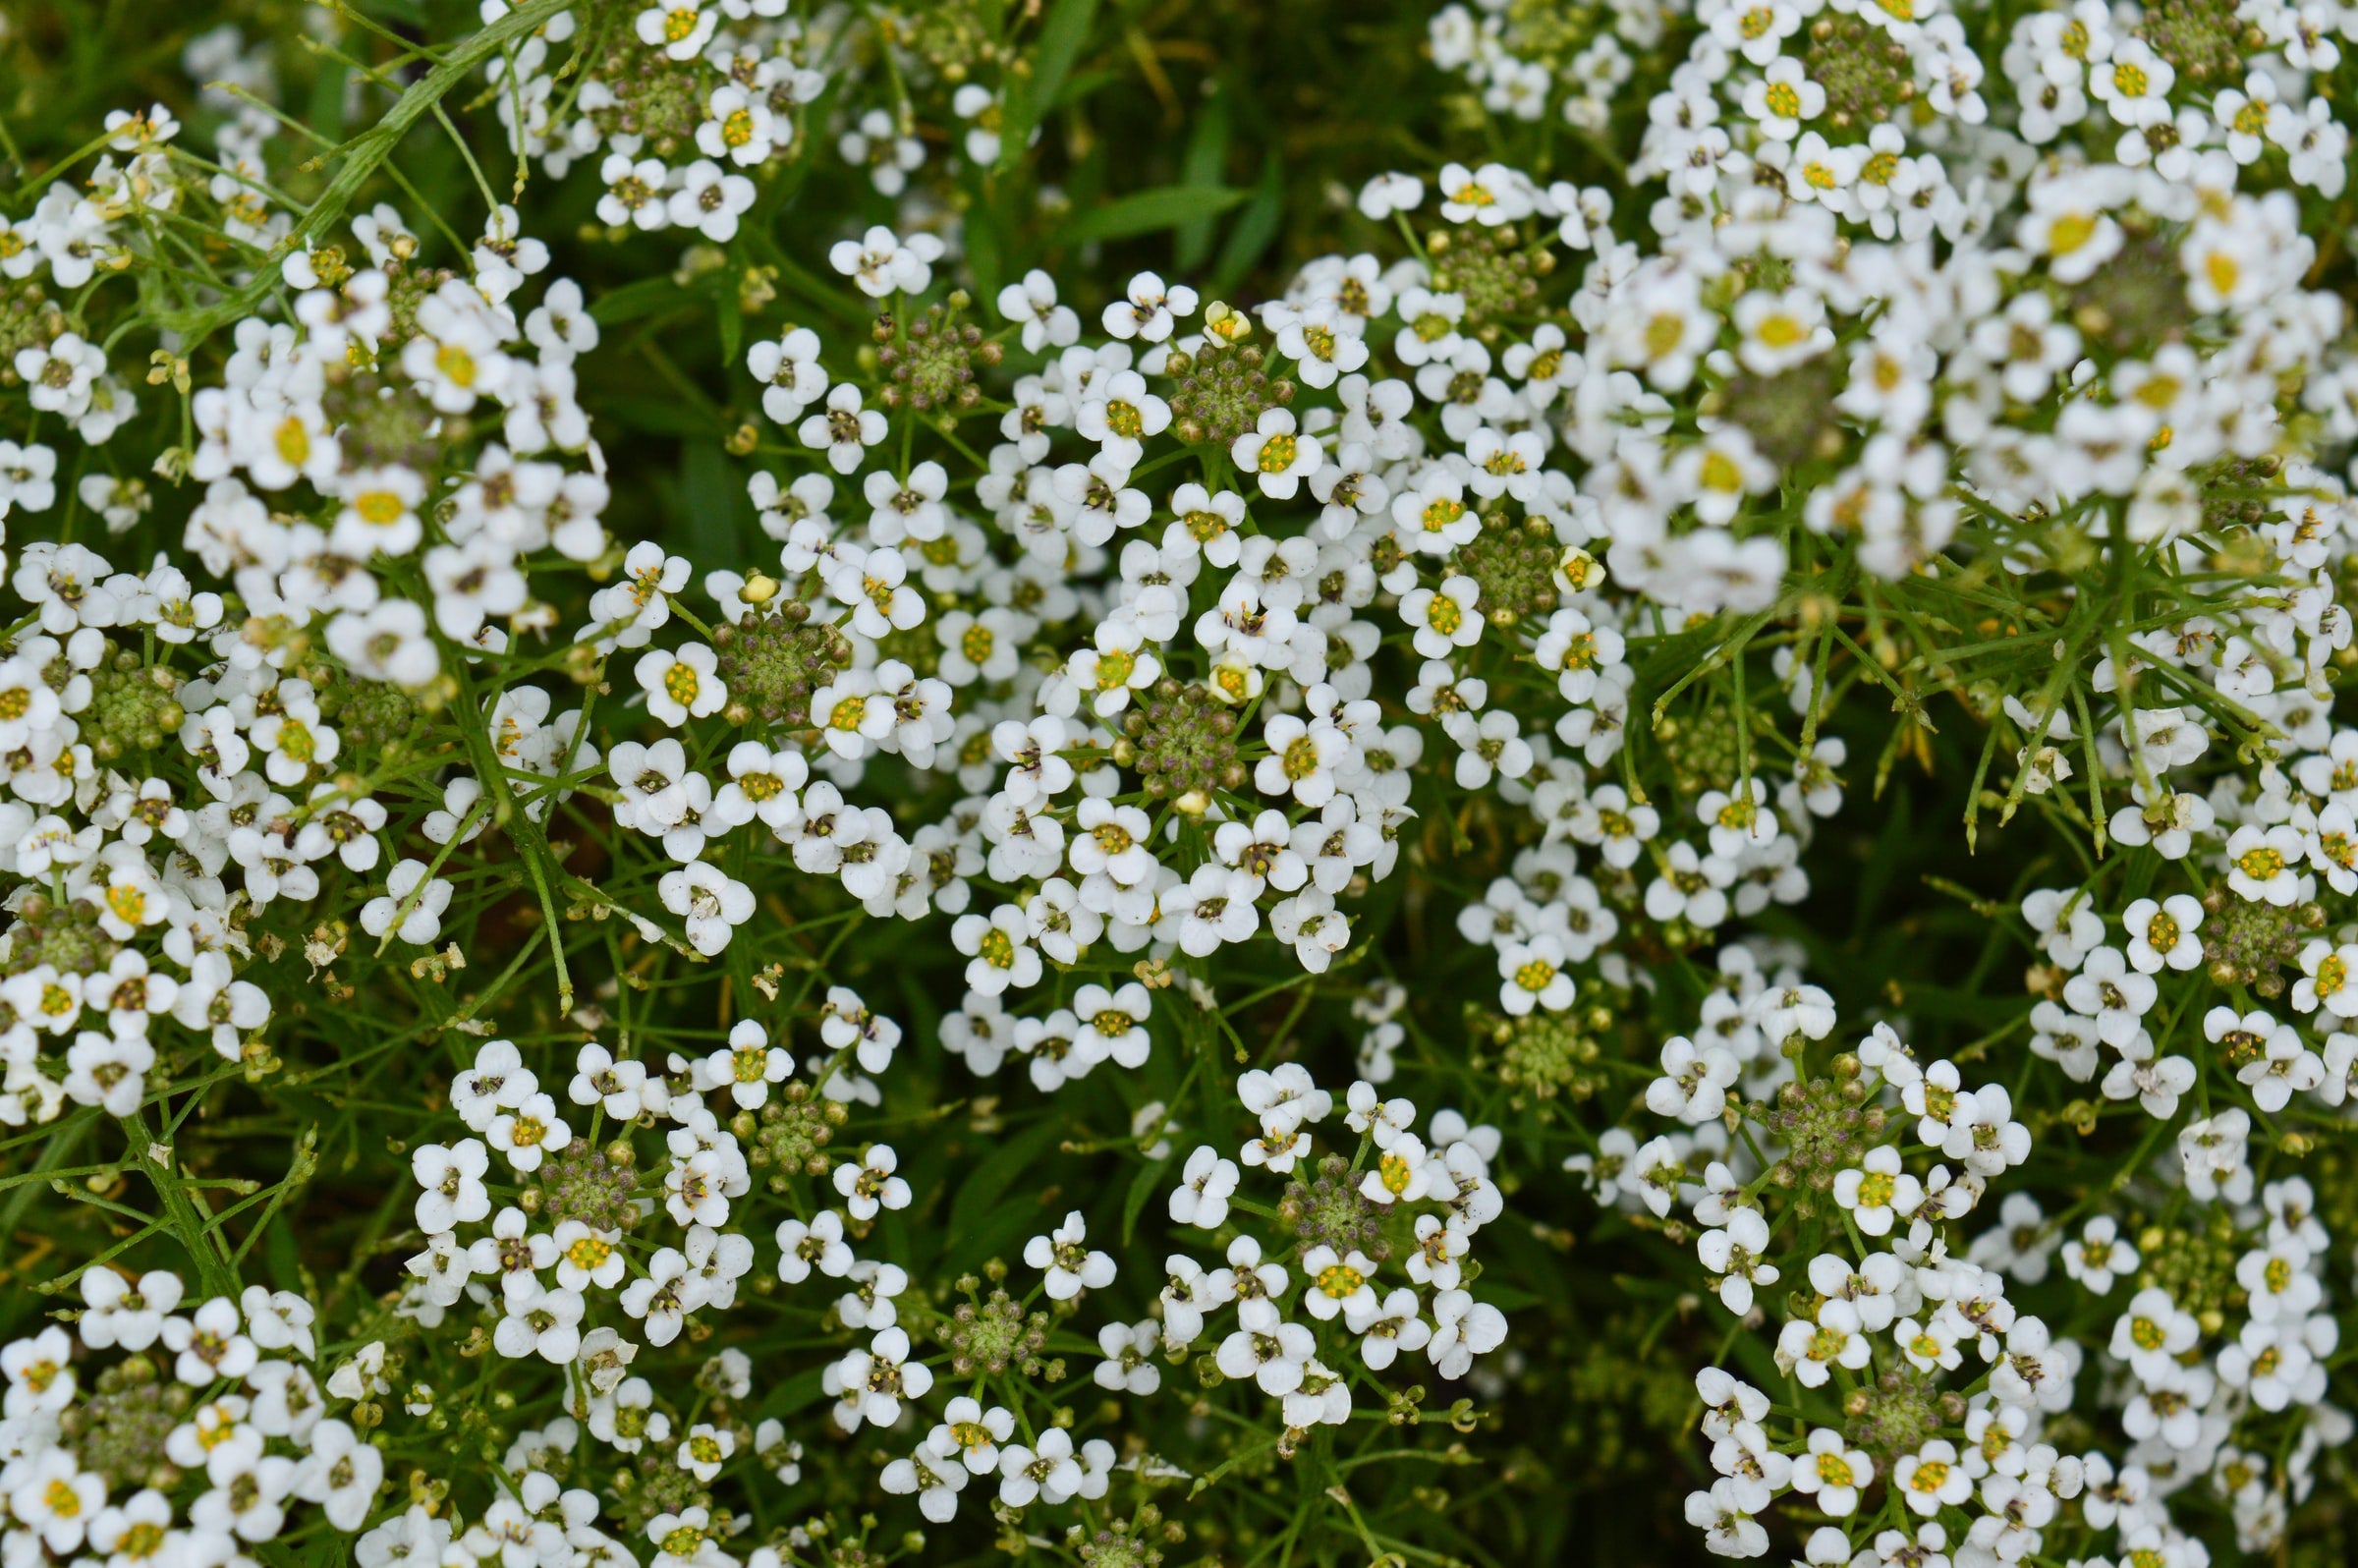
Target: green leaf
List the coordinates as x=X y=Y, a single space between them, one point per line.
x=713 y=492
x=799 y=1392
x=328 y=99
x=983 y=1191
x=1060 y=41
x=1507 y=1298
x=985 y=249
x=654 y=413
x=1206 y=161
x=731 y=321
x=1150 y=210
x=635 y=299
x=1256 y=229
x=1028 y=97
x=1150 y=1177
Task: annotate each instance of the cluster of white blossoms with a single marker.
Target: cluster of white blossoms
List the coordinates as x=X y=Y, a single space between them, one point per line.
x=152 y=1435
x=543 y=1265
x=2267 y=852
x=132 y=891
x=681 y=105
x=1110 y=646
x=1397 y=1196
x=1910 y=1365
x=1526 y=63
x=675 y=110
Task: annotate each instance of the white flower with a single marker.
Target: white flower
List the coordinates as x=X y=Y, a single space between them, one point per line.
x=1463 y=1328
x=528 y=1132
x=681 y=685
x=880 y=263
x=1389 y=193
x=2153 y=1333
x=845 y=431
x=122 y=1313
x=2098 y=1255
x=1931 y=1478
x=538 y=1321
x=453 y=1181
x=2156 y=1083
x=712 y=904
x=1275 y=1357
x=748 y=1064
x=2264 y=864
x=1443 y=619
x=998 y=946
x=1734 y=1253
x=1048 y=1473
x=1694 y=1084
x=818 y=1244
x=1811 y=1351
x=1071 y=1267
x=1830 y=1473
x=1149 y=310
x=871 y=1384
x=2162 y=933
x=869 y=1185
x=208 y=1344
x=1127 y=1348
x=737 y=126
x=678 y=28
x=1531 y=975
x=1729 y=1530
x=56 y=1500
x=1032 y=302
x=1315 y=928
x=1276 y=454
x=710 y=200
x=935 y=1482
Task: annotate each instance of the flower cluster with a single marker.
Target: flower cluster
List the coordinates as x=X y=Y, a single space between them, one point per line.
x=157 y=1435
x=789 y=697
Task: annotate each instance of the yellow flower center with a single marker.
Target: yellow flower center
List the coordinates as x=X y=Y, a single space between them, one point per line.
x=294 y=442
x=2069 y=232
x=2259 y=865
x=456 y=365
